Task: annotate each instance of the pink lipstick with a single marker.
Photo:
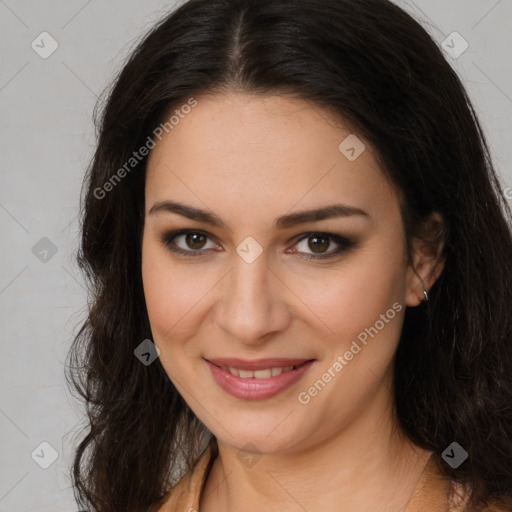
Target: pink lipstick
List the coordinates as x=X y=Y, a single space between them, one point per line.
x=258 y=379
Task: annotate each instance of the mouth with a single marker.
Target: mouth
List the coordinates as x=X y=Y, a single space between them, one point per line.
x=256 y=380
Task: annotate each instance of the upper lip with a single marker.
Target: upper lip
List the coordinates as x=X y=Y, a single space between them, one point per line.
x=257 y=364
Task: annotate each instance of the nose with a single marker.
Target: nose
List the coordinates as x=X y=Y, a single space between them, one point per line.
x=253 y=302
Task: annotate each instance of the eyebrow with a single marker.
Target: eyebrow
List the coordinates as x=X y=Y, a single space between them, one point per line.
x=283 y=222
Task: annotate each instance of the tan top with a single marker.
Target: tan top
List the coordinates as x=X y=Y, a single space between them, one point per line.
x=432 y=493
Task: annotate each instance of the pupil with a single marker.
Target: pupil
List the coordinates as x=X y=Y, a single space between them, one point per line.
x=192 y=240
x=318 y=246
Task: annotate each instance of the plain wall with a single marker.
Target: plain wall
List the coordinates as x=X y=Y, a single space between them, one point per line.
x=47 y=139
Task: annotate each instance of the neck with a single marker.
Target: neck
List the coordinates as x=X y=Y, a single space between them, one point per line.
x=368 y=467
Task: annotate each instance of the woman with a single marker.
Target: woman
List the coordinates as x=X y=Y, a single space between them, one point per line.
x=300 y=262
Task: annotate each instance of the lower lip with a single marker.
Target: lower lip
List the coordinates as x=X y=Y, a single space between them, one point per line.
x=256 y=389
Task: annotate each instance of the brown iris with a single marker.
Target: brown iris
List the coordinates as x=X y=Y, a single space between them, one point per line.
x=315 y=245
x=192 y=240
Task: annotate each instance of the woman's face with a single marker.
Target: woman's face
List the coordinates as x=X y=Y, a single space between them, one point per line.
x=254 y=164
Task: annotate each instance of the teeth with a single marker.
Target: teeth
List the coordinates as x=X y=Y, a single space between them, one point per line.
x=257 y=374
x=263 y=374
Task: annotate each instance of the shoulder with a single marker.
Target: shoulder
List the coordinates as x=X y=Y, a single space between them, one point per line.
x=459 y=499
x=497 y=506
x=437 y=492
x=186 y=493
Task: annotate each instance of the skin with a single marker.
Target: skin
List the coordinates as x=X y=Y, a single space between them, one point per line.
x=250 y=159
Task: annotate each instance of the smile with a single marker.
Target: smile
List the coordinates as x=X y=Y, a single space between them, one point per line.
x=257 y=383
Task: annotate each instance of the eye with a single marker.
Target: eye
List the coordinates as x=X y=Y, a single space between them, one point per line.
x=193 y=243
x=195 y=240
x=319 y=242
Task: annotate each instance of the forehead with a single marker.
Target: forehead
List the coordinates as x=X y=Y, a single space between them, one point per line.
x=272 y=151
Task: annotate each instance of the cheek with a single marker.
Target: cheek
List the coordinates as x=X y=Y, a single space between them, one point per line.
x=171 y=292
x=363 y=307
x=352 y=297
x=173 y=296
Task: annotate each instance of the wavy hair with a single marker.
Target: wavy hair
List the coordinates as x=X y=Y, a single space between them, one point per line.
x=376 y=68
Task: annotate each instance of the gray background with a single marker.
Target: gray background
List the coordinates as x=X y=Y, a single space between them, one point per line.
x=47 y=138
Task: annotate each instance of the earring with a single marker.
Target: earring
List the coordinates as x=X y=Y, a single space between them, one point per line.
x=425 y=295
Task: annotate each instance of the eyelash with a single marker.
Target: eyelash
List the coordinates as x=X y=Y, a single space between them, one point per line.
x=343 y=242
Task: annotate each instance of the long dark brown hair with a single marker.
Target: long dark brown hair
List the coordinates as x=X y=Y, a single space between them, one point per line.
x=375 y=67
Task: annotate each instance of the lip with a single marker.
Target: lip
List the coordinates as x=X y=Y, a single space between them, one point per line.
x=257 y=389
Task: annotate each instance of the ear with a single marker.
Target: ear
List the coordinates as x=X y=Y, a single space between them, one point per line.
x=427 y=262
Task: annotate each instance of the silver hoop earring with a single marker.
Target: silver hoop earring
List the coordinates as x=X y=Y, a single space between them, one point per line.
x=425 y=294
